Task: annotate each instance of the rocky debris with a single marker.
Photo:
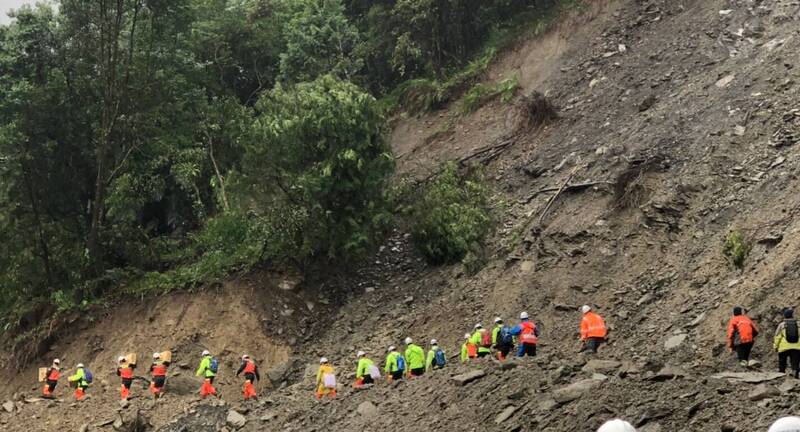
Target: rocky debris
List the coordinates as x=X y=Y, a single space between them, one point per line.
x=8 y=406
x=596 y=365
x=675 y=341
x=749 y=377
x=124 y=403
x=117 y=423
x=505 y=414
x=725 y=81
x=235 y=420
x=468 y=377
x=576 y=390
x=367 y=409
x=84 y=428
x=668 y=373
x=788 y=386
x=763 y=391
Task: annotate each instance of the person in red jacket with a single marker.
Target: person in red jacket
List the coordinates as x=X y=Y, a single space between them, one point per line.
x=527 y=334
x=742 y=332
x=125 y=372
x=159 y=371
x=250 y=370
x=51 y=380
x=593 y=330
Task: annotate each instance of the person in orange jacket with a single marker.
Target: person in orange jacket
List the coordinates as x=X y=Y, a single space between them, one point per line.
x=51 y=379
x=741 y=335
x=125 y=372
x=159 y=371
x=593 y=330
x=251 y=374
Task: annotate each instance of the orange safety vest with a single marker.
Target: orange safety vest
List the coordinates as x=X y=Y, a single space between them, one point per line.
x=593 y=326
x=53 y=375
x=472 y=350
x=126 y=373
x=742 y=326
x=250 y=367
x=159 y=370
x=528 y=333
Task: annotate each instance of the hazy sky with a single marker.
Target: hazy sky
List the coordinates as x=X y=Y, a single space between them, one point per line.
x=5 y=5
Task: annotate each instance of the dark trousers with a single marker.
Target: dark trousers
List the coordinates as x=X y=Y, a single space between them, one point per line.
x=794 y=357
x=250 y=377
x=158 y=381
x=526 y=350
x=127 y=382
x=482 y=354
x=418 y=371
x=51 y=385
x=367 y=379
x=397 y=375
x=743 y=351
x=593 y=343
x=505 y=349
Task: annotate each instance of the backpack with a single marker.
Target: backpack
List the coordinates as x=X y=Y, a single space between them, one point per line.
x=88 y=377
x=439 y=358
x=792 y=335
x=374 y=372
x=505 y=338
x=401 y=363
x=329 y=381
x=486 y=338
x=214 y=365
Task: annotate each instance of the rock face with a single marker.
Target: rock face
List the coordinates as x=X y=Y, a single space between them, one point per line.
x=576 y=390
x=468 y=377
x=601 y=366
x=367 y=409
x=763 y=391
x=8 y=406
x=235 y=420
x=505 y=414
x=749 y=377
x=675 y=341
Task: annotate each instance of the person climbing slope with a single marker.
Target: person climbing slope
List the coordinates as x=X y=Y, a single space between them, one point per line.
x=395 y=364
x=326 y=380
x=158 y=370
x=528 y=335
x=741 y=335
x=436 y=358
x=208 y=370
x=502 y=340
x=468 y=349
x=364 y=370
x=51 y=379
x=616 y=425
x=415 y=356
x=251 y=374
x=787 y=343
x=80 y=380
x=125 y=373
x=593 y=330
x=482 y=339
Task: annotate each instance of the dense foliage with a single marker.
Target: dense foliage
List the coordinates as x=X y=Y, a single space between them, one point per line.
x=158 y=144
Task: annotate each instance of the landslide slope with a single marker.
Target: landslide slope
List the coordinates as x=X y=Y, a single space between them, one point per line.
x=684 y=116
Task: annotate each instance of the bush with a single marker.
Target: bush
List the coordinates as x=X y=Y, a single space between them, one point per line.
x=736 y=249
x=452 y=219
x=482 y=93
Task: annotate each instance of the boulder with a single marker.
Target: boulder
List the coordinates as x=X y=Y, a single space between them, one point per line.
x=675 y=341
x=367 y=409
x=668 y=373
x=749 y=377
x=9 y=406
x=235 y=420
x=763 y=391
x=576 y=390
x=788 y=386
x=596 y=365
x=468 y=377
x=505 y=414
x=547 y=404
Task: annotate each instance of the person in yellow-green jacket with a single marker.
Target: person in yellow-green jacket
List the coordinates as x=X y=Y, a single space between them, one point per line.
x=787 y=343
x=482 y=338
x=468 y=349
x=395 y=364
x=436 y=357
x=79 y=381
x=326 y=380
x=208 y=370
x=363 y=370
x=415 y=356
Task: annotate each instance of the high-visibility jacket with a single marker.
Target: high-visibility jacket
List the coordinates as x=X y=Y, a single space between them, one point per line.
x=324 y=369
x=415 y=356
x=476 y=340
x=391 y=362
x=780 y=343
x=159 y=369
x=204 y=369
x=527 y=331
x=362 y=369
x=79 y=378
x=496 y=333
x=743 y=327
x=125 y=372
x=53 y=374
x=593 y=326
x=431 y=356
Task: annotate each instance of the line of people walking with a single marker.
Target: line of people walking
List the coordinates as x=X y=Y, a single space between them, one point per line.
x=742 y=333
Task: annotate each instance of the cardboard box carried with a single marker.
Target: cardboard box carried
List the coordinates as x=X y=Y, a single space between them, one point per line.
x=166 y=356
x=42 y=374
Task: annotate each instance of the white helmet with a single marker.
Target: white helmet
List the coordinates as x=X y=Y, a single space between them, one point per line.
x=206 y=353
x=56 y=361
x=79 y=366
x=408 y=341
x=786 y=424
x=323 y=360
x=245 y=357
x=616 y=425
x=156 y=356
x=466 y=335
x=585 y=309
x=434 y=342
x=391 y=348
x=477 y=326
x=523 y=315
x=121 y=359
x=361 y=354
x=498 y=320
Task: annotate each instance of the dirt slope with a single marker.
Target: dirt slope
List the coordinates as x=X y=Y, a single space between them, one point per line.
x=685 y=114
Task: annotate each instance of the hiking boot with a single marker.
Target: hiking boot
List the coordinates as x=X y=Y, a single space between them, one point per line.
x=753 y=363
x=743 y=363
